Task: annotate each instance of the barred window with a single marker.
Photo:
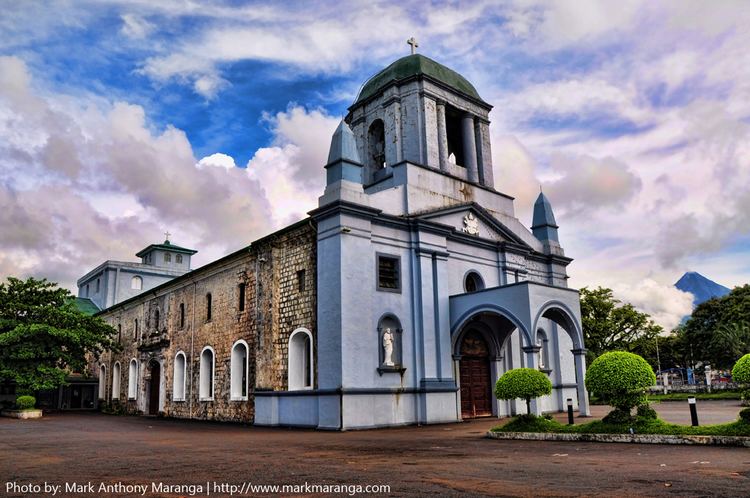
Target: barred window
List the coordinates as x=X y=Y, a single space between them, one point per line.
x=389 y=273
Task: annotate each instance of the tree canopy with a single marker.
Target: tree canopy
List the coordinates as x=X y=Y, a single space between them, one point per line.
x=524 y=383
x=43 y=336
x=609 y=324
x=620 y=378
x=718 y=331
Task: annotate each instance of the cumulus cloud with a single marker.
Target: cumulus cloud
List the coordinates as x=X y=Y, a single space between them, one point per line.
x=587 y=183
x=666 y=304
x=77 y=154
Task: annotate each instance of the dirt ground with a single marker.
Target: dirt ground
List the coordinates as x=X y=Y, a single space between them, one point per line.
x=440 y=460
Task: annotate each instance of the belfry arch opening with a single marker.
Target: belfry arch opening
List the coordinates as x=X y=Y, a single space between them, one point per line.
x=454 y=134
x=376 y=146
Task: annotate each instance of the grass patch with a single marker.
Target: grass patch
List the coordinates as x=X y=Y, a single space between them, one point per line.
x=684 y=396
x=526 y=423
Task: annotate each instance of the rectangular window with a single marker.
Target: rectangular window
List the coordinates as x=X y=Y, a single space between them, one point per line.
x=97 y=286
x=167 y=257
x=178 y=259
x=208 y=307
x=182 y=315
x=389 y=273
x=241 y=303
x=301 y=280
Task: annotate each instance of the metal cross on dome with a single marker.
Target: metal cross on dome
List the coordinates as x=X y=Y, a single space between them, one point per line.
x=413 y=42
x=167 y=234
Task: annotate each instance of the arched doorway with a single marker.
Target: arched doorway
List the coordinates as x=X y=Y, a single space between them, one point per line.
x=474 y=371
x=153 y=398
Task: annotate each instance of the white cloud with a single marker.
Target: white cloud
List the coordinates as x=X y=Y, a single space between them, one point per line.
x=218 y=160
x=134 y=26
x=666 y=304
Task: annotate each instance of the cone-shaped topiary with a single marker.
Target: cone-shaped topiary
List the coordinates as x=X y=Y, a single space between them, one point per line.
x=524 y=383
x=621 y=379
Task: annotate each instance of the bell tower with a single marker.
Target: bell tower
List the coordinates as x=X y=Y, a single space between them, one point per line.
x=419 y=111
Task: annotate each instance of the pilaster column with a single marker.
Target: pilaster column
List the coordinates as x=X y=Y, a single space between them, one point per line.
x=442 y=136
x=470 y=147
x=532 y=361
x=579 y=356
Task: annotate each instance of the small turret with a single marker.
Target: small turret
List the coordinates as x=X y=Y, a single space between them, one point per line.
x=544 y=227
x=344 y=168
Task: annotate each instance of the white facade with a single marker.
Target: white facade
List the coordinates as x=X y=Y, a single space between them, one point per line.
x=400 y=229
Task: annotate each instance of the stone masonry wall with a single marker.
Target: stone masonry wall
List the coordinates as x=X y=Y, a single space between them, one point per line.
x=275 y=307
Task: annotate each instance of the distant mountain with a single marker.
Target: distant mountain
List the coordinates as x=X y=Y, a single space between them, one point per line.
x=700 y=287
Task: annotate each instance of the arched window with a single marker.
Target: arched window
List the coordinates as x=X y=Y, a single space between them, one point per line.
x=116 y=380
x=300 y=372
x=473 y=282
x=136 y=283
x=238 y=371
x=102 y=382
x=376 y=145
x=182 y=315
x=133 y=379
x=544 y=350
x=206 y=387
x=208 y=307
x=178 y=386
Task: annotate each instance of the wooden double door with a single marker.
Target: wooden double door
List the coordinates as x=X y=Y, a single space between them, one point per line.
x=475 y=377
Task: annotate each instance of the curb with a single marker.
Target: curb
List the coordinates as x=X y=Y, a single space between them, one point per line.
x=623 y=438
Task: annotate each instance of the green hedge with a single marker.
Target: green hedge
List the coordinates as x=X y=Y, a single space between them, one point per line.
x=524 y=383
x=621 y=379
x=25 y=402
x=741 y=370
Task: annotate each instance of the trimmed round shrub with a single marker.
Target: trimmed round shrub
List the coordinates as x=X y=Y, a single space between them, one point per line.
x=745 y=415
x=741 y=370
x=646 y=412
x=618 y=416
x=621 y=379
x=25 y=402
x=524 y=383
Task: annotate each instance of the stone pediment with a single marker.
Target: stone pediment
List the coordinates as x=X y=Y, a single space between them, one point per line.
x=473 y=220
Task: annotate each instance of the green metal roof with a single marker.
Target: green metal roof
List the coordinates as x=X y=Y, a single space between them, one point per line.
x=86 y=305
x=414 y=65
x=166 y=246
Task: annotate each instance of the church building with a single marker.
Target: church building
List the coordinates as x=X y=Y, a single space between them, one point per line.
x=400 y=299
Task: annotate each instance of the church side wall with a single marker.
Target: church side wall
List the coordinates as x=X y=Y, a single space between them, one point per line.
x=281 y=307
x=274 y=308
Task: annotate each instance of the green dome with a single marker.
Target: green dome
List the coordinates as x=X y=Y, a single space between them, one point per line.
x=414 y=65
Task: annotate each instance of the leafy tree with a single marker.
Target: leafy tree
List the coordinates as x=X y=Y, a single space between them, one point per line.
x=524 y=383
x=610 y=325
x=621 y=379
x=718 y=331
x=43 y=336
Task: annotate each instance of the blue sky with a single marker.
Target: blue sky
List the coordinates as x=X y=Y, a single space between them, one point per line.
x=122 y=119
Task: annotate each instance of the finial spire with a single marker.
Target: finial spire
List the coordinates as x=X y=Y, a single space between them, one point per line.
x=167 y=234
x=413 y=42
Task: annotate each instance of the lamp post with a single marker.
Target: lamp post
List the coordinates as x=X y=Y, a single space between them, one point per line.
x=570 y=411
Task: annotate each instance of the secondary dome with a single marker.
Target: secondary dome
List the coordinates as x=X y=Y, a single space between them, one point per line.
x=416 y=65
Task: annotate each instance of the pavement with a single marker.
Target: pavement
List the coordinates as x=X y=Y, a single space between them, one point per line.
x=437 y=460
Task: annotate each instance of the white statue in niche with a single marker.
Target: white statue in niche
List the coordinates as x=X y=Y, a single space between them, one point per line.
x=388 y=348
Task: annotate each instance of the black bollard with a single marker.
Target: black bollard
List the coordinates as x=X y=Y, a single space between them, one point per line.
x=570 y=411
x=693 y=411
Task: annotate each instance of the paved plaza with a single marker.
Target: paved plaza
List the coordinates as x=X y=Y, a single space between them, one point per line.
x=441 y=460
